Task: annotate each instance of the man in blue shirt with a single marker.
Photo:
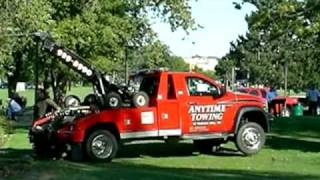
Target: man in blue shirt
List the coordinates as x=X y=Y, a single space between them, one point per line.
x=13 y=108
x=271 y=94
x=312 y=96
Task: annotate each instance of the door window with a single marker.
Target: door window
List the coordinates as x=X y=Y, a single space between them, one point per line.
x=254 y=92
x=171 y=92
x=200 y=87
x=150 y=85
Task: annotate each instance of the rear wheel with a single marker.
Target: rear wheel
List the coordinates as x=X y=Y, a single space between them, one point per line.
x=250 y=138
x=101 y=145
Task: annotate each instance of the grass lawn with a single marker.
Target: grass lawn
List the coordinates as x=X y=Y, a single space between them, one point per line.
x=291 y=152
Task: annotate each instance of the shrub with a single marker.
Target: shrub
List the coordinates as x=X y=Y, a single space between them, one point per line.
x=5 y=129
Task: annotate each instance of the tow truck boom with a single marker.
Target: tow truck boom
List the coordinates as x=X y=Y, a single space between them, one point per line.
x=107 y=90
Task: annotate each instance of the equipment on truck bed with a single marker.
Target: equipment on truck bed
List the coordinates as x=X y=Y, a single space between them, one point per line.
x=108 y=94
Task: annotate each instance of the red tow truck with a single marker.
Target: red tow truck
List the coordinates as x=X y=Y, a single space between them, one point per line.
x=180 y=105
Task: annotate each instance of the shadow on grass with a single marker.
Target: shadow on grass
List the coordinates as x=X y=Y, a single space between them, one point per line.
x=160 y=149
x=48 y=169
x=14 y=161
x=156 y=149
x=10 y=153
x=288 y=143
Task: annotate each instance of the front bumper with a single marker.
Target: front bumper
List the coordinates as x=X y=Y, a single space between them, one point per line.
x=64 y=135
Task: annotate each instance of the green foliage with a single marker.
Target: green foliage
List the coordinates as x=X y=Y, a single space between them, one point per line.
x=280 y=32
x=208 y=73
x=5 y=129
x=176 y=63
x=98 y=30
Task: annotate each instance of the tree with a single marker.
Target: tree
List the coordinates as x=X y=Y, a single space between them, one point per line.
x=18 y=18
x=98 y=30
x=280 y=32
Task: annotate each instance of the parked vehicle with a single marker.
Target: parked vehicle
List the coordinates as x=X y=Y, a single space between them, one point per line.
x=4 y=85
x=182 y=105
x=281 y=105
x=260 y=92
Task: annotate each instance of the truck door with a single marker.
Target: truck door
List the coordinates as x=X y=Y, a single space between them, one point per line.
x=202 y=112
x=168 y=108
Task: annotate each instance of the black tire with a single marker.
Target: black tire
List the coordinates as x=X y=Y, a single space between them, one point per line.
x=113 y=100
x=206 y=146
x=140 y=99
x=76 y=153
x=250 y=138
x=107 y=142
x=90 y=99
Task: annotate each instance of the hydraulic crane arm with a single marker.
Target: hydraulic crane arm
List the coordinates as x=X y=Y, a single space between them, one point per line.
x=74 y=61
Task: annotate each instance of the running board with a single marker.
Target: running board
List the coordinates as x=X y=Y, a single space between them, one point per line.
x=207 y=136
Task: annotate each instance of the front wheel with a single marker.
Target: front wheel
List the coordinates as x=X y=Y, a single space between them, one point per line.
x=250 y=138
x=101 y=145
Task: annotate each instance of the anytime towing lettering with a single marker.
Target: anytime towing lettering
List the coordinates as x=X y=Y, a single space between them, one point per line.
x=207 y=114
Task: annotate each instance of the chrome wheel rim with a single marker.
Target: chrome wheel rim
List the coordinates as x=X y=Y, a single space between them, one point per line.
x=251 y=138
x=101 y=146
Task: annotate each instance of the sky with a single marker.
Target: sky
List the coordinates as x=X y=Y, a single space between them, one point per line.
x=221 y=22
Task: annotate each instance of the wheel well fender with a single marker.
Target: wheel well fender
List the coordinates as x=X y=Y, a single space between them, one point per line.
x=253 y=114
x=106 y=126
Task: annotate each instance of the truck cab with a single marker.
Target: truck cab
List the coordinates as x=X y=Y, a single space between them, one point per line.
x=182 y=105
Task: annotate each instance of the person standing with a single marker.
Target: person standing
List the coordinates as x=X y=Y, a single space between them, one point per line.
x=44 y=104
x=271 y=94
x=312 y=97
x=13 y=107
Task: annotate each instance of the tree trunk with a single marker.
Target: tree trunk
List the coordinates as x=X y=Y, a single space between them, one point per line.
x=12 y=83
x=59 y=87
x=15 y=73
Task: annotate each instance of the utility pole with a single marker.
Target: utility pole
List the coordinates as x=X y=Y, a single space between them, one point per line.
x=126 y=78
x=232 y=78
x=285 y=78
x=36 y=81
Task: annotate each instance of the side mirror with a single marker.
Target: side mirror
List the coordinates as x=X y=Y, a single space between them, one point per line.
x=219 y=92
x=223 y=90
